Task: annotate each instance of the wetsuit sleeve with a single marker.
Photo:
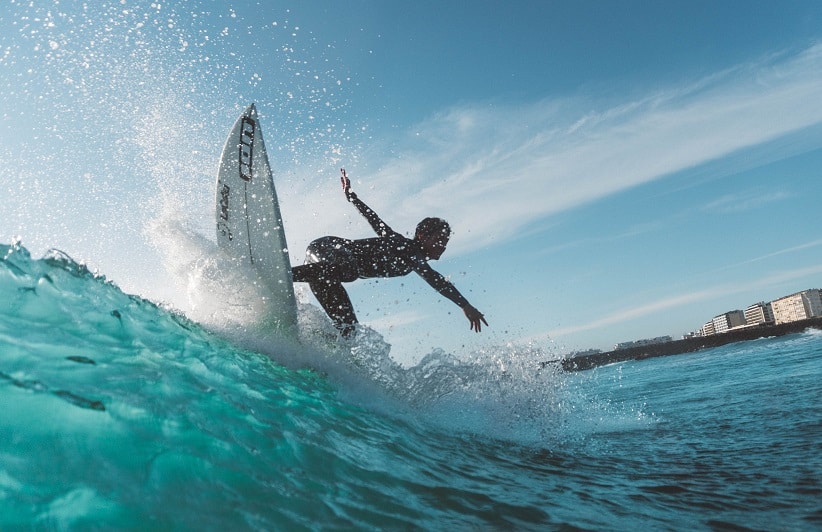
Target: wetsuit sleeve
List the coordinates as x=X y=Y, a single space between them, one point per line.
x=441 y=284
x=380 y=227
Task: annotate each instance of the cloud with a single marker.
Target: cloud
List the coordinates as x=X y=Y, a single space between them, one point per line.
x=397 y=319
x=631 y=232
x=786 y=251
x=628 y=314
x=745 y=201
x=793 y=249
x=641 y=311
x=492 y=169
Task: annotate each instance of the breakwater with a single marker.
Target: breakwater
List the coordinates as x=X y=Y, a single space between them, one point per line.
x=688 y=345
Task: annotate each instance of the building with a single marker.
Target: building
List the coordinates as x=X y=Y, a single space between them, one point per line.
x=708 y=329
x=585 y=353
x=729 y=320
x=644 y=342
x=759 y=313
x=799 y=306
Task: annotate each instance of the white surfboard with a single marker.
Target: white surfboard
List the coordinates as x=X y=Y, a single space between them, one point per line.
x=249 y=225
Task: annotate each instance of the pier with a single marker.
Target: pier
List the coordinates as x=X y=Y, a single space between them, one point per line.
x=689 y=345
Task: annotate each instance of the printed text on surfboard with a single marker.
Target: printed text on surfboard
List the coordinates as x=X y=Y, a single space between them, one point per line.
x=246 y=147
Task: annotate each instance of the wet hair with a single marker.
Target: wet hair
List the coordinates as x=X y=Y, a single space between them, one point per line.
x=432 y=226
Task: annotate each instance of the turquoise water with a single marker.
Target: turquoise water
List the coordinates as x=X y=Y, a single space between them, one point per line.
x=117 y=413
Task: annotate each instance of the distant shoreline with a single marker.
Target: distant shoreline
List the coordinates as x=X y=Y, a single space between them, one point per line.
x=688 y=345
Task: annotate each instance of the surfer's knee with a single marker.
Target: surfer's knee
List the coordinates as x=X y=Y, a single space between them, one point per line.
x=325 y=249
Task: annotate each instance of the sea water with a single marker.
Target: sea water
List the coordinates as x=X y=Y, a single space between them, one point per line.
x=118 y=413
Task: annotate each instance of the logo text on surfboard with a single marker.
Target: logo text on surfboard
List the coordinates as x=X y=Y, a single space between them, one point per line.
x=247 y=130
x=222 y=225
x=224 y=194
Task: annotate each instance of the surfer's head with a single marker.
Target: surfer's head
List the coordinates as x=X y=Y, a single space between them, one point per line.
x=433 y=235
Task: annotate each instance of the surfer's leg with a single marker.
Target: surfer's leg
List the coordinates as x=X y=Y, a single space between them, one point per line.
x=335 y=302
x=329 y=291
x=329 y=263
x=313 y=272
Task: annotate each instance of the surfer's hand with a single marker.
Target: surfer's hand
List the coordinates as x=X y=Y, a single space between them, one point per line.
x=475 y=317
x=346 y=185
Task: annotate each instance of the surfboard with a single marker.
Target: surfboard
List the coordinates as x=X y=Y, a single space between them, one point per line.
x=249 y=224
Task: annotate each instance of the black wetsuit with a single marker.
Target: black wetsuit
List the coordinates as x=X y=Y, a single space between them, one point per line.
x=331 y=261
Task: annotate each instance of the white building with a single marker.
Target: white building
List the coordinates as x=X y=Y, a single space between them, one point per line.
x=799 y=306
x=729 y=320
x=644 y=342
x=708 y=329
x=759 y=313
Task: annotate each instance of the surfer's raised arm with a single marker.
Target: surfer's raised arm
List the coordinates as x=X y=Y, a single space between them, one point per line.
x=380 y=227
x=346 y=184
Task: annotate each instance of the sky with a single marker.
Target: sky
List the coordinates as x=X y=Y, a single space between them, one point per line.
x=612 y=170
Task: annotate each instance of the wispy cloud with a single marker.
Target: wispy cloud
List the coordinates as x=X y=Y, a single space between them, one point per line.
x=398 y=319
x=786 y=251
x=636 y=230
x=792 y=249
x=493 y=169
x=631 y=313
x=745 y=201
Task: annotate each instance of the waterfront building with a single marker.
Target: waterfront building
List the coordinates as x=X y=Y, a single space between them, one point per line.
x=708 y=329
x=759 y=313
x=587 y=352
x=729 y=320
x=646 y=341
x=799 y=306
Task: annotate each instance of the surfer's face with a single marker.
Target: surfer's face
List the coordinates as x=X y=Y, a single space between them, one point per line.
x=434 y=245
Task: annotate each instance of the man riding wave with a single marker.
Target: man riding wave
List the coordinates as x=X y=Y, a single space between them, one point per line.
x=331 y=261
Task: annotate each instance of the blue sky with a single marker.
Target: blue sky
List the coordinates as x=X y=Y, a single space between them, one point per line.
x=612 y=170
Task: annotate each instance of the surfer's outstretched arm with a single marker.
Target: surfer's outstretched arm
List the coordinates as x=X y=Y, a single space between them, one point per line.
x=379 y=227
x=475 y=317
x=447 y=289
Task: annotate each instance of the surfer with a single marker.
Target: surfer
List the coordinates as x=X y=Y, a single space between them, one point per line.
x=331 y=261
